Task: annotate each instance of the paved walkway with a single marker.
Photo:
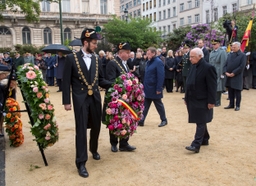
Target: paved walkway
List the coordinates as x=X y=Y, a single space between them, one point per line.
x=2 y=161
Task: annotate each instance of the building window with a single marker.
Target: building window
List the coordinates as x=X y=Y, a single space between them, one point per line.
x=168 y=2
x=169 y=13
x=207 y=12
x=169 y=28
x=164 y=29
x=160 y=29
x=65 y=5
x=134 y=2
x=164 y=14
x=150 y=17
x=197 y=18
x=189 y=20
x=174 y=11
x=143 y=7
x=181 y=7
x=154 y=3
x=154 y=16
x=249 y=2
x=159 y=3
x=160 y=15
x=147 y=6
x=150 y=4
x=224 y=10
x=45 y=6
x=139 y=13
x=138 y=2
x=174 y=26
x=189 y=4
x=103 y=6
x=67 y=34
x=4 y=31
x=197 y=3
x=85 y=6
x=215 y=14
x=181 y=21
x=234 y=7
x=135 y=13
x=26 y=35
x=173 y=1
x=47 y=36
x=163 y=2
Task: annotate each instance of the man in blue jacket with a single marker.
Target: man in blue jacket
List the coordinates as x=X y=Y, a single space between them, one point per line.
x=153 y=86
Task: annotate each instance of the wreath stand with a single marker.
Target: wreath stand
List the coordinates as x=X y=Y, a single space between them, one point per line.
x=27 y=109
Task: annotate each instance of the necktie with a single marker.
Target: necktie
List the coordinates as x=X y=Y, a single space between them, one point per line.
x=125 y=66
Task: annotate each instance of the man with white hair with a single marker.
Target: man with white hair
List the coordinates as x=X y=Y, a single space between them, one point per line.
x=234 y=71
x=200 y=97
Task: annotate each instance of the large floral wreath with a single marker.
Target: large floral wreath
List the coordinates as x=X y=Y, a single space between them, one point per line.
x=13 y=122
x=125 y=104
x=36 y=94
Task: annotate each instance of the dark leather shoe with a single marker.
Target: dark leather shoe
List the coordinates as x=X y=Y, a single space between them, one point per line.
x=141 y=123
x=205 y=143
x=127 y=148
x=58 y=90
x=96 y=156
x=237 y=108
x=114 y=148
x=229 y=107
x=192 y=148
x=163 y=123
x=82 y=171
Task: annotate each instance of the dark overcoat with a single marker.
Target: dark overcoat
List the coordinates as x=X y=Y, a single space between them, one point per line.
x=71 y=79
x=50 y=61
x=154 y=78
x=60 y=66
x=204 y=92
x=235 y=64
x=185 y=64
x=253 y=62
x=170 y=63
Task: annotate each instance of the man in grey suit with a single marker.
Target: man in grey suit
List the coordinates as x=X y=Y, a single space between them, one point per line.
x=234 y=69
x=218 y=58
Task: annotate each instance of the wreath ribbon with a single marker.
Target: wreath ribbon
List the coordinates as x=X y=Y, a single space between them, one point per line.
x=129 y=108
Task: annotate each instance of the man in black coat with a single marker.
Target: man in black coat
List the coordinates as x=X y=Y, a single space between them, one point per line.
x=234 y=69
x=200 y=97
x=114 y=69
x=83 y=73
x=200 y=44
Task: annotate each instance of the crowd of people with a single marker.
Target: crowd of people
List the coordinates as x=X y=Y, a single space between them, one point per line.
x=202 y=75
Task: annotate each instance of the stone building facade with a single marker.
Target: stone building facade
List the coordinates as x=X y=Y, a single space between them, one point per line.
x=76 y=15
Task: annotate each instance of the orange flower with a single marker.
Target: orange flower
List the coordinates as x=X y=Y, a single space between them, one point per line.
x=47 y=95
x=8 y=115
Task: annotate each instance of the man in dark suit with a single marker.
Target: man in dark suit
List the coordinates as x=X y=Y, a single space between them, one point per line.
x=200 y=97
x=153 y=86
x=234 y=69
x=83 y=73
x=114 y=69
x=200 y=44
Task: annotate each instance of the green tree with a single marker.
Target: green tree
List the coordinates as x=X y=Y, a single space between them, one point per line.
x=137 y=32
x=30 y=8
x=178 y=35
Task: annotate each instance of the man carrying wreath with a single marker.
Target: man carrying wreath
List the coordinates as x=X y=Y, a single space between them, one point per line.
x=114 y=69
x=83 y=73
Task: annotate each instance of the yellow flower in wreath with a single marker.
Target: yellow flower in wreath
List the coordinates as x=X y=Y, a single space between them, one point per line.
x=8 y=115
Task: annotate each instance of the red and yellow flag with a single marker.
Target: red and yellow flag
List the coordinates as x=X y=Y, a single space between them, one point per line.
x=247 y=34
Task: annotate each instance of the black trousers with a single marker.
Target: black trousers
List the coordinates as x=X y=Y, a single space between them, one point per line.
x=59 y=83
x=114 y=141
x=169 y=85
x=88 y=116
x=184 y=83
x=201 y=135
x=159 y=107
x=234 y=94
x=218 y=98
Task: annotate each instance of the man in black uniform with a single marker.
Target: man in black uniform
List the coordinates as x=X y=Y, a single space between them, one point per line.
x=114 y=69
x=82 y=71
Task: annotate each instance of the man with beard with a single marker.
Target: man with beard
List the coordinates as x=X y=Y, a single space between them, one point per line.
x=83 y=73
x=113 y=70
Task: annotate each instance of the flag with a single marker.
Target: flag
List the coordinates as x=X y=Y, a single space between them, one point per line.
x=246 y=37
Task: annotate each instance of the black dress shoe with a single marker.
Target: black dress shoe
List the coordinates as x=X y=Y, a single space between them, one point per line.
x=141 y=123
x=58 y=90
x=205 y=143
x=192 y=148
x=114 y=148
x=82 y=171
x=96 y=156
x=127 y=148
x=229 y=107
x=163 y=123
x=237 y=108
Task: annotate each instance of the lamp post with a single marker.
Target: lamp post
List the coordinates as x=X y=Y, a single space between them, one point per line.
x=61 y=29
x=126 y=15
